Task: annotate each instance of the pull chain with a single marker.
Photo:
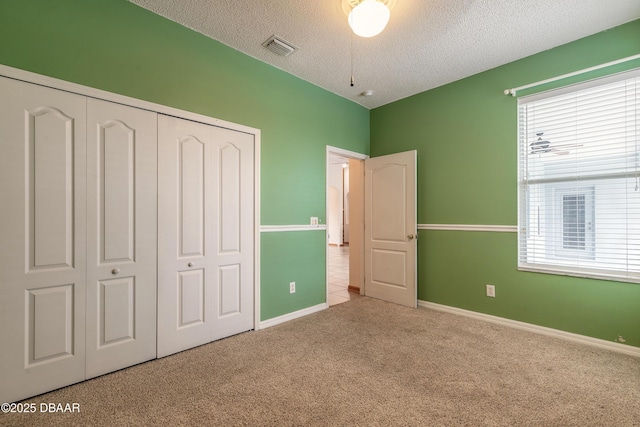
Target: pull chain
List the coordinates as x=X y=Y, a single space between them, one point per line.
x=353 y=80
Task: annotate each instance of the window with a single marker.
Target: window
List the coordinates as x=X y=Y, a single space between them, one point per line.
x=579 y=179
x=575 y=228
x=573 y=221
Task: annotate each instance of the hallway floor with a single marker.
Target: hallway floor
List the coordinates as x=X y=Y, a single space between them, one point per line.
x=338 y=271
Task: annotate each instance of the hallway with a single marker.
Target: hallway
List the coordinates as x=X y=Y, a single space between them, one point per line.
x=338 y=275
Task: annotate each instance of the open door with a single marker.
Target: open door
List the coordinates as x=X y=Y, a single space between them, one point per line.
x=391 y=228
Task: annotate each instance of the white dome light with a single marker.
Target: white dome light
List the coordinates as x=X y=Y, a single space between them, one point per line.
x=369 y=18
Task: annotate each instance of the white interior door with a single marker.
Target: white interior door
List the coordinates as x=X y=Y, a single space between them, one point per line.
x=185 y=234
x=42 y=239
x=206 y=229
x=391 y=228
x=233 y=230
x=121 y=237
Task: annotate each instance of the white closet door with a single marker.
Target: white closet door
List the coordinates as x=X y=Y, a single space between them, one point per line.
x=42 y=238
x=233 y=232
x=205 y=233
x=121 y=240
x=185 y=235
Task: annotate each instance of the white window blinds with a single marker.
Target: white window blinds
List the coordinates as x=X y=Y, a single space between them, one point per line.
x=579 y=179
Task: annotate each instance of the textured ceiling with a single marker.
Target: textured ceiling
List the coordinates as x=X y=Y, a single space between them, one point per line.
x=426 y=44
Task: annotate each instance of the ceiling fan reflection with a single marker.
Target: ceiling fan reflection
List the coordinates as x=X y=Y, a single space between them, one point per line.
x=542 y=146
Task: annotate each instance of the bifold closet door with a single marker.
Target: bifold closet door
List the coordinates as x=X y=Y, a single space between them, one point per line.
x=185 y=234
x=233 y=297
x=121 y=238
x=42 y=239
x=205 y=233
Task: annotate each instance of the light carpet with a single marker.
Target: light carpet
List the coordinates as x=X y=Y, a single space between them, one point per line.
x=368 y=363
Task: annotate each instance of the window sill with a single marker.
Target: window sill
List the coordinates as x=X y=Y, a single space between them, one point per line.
x=582 y=273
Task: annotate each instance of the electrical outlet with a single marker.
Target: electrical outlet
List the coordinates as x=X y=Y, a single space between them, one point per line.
x=292 y=287
x=491 y=291
x=314 y=220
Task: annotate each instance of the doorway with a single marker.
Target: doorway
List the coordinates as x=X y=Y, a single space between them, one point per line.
x=345 y=219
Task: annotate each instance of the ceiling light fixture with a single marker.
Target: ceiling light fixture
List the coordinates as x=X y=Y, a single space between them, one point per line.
x=368 y=18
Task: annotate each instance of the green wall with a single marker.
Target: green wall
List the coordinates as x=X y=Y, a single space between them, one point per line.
x=466 y=136
x=301 y=250
x=119 y=47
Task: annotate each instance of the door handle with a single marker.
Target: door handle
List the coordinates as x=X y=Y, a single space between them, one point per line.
x=190 y=264
x=115 y=271
x=411 y=236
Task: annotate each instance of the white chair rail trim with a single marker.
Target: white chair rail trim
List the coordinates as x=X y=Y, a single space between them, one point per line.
x=281 y=228
x=469 y=227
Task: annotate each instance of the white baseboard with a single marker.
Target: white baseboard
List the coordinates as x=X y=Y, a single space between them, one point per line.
x=290 y=316
x=595 y=342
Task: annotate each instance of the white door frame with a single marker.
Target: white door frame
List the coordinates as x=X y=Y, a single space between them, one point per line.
x=27 y=76
x=349 y=155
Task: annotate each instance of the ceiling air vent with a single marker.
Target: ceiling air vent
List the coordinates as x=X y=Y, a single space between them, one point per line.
x=279 y=47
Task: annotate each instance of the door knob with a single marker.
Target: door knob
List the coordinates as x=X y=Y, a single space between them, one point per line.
x=410 y=236
x=190 y=264
x=115 y=271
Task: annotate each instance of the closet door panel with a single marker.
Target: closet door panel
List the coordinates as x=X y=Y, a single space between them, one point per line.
x=233 y=232
x=49 y=184
x=122 y=212
x=191 y=195
x=42 y=230
x=185 y=244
